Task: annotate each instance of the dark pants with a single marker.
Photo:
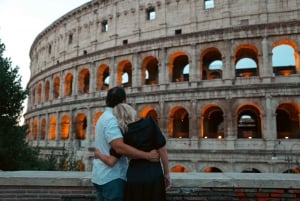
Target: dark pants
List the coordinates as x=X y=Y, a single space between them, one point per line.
x=111 y=191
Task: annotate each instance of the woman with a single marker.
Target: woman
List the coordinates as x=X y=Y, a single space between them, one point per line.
x=146 y=181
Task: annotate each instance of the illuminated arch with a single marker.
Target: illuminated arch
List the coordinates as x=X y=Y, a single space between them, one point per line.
x=179 y=123
x=43 y=129
x=52 y=129
x=249 y=122
x=212 y=169
x=289 y=51
x=150 y=71
x=178 y=62
x=287 y=121
x=179 y=168
x=39 y=93
x=213 y=122
x=211 y=65
x=35 y=129
x=124 y=76
x=81 y=125
x=47 y=90
x=95 y=119
x=65 y=127
x=68 y=84
x=149 y=112
x=84 y=81
x=102 y=75
x=56 y=87
x=246 y=61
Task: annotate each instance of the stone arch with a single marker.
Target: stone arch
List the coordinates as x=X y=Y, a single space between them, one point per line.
x=124 y=69
x=84 y=81
x=65 y=127
x=33 y=95
x=212 y=64
x=52 y=128
x=35 y=129
x=81 y=125
x=179 y=168
x=177 y=63
x=56 y=87
x=102 y=76
x=39 y=93
x=178 y=125
x=249 y=121
x=43 y=129
x=250 y=170
x=47 y=90
x=150 y=71
x=212 y=122
x=246 y=61
x=212 y=169
x=286 y=66
x=95 y=119
x=287 y=121
x=149 y=112
x=68 y=84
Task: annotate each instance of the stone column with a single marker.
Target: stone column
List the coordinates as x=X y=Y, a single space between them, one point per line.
x=193 y=127
x=75 y=82
x=93 y=74
x=113 y=72
x=58 y=127
x=47 y=128
x=163 y=67
x=194 y=74
x=61 y=85
x=89 y=119
x=136 y=71
x=269 y=120
x=163 y=120
x=265 y=68
x=228 y=71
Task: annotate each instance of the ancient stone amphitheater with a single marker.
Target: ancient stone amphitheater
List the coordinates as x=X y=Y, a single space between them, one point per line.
x=222 y=78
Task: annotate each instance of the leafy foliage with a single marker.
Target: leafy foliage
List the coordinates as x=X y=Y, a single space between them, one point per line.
x=15 y=154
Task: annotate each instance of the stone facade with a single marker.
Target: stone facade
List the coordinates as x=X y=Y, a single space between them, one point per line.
x=208 y=71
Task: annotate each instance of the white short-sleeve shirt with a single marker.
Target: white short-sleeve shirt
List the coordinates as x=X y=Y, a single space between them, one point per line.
x=107 y=130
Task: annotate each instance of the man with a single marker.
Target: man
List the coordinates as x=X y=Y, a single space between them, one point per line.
x=109 y=181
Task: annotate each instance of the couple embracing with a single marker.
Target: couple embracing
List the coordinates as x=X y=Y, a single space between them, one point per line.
x=119 y=134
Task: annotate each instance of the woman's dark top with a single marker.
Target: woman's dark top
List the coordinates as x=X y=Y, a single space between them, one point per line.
x=145 y=179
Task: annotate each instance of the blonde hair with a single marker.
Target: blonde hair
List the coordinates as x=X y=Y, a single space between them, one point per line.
x=125 y=114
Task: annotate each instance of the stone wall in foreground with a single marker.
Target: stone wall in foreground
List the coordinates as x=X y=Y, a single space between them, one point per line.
x=44 y=186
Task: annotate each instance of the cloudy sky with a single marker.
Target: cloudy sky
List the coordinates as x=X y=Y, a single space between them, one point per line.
x=22 y=20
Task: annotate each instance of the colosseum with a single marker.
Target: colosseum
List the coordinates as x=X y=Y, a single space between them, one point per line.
x=222 y=78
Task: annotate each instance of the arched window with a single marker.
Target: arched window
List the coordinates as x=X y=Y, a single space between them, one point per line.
x=246 y=61
x=103 y=77
x=150 y=71
x=213 y=123
x=283 y=60
x=81 y=125
x=249 y=122
x=84 y=81
x=68 y=84
x=56 y=87
x=212 y=64
x=178 y=62
x=65 y=127
x=125 y=74
x=179 y=123
x=287 y=121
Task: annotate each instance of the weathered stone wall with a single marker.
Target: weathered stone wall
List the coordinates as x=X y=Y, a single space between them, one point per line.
x=71 y=57
x=44 y=186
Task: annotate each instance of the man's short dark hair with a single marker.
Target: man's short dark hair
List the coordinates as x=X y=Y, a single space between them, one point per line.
x=115 y=96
